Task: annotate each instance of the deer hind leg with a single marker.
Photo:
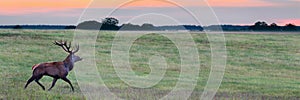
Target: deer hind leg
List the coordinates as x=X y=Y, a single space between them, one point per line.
x=29 y=81
x=68 y=81
x=53 y=83
x=37 y=81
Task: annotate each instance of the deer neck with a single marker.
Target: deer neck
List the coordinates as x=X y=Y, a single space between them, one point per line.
x=69 y=63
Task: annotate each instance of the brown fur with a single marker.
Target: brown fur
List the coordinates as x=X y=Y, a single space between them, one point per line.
x=51 y=69
x=57 y=70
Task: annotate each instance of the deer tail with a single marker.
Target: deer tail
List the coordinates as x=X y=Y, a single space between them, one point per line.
x=35 y=66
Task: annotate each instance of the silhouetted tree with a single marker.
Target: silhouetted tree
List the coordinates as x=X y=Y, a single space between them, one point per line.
x=290 y=27
x=17 y=27
x=70 y=27
x=193 y=28
x=275 y=27
x=110 y=21
x=147 y=26
x=89 y=25
x=107 y=24
x=260 y=26
x=130 y=26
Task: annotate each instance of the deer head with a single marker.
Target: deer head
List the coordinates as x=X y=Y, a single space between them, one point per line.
x=71 y=57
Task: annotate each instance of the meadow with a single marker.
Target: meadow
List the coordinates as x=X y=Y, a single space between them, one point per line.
x=259 y=66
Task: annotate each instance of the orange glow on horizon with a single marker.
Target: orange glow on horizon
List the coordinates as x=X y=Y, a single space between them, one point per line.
x=148 y=3
x=44 y=4
x=283 y=22
x=31 y=6
x=24 y=7
x=238 y=3
x=16 y=7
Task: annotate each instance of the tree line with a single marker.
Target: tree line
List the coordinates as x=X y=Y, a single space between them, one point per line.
x=263 y=26
x=111 y=23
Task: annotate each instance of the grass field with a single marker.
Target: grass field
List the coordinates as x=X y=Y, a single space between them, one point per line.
x=259 y=66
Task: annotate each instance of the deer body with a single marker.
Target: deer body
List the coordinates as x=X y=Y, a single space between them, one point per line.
x=56 y=70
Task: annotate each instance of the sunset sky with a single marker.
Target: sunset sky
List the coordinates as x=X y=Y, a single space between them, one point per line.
x=67 y=12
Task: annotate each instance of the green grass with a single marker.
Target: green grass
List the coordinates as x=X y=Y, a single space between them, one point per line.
x=259 y=66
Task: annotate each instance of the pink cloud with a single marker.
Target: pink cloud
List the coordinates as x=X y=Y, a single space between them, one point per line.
x=239 y=3
x=287 y=21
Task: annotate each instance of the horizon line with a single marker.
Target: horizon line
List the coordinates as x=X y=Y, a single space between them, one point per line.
x=138 y=24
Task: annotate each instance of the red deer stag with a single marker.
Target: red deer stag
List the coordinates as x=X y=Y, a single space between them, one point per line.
x=57 y=70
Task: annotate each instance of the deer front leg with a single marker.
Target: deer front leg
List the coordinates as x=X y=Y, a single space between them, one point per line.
x=68 y=81
x=53 y=83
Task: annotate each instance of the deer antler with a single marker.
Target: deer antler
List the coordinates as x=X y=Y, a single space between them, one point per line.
x=76 y=49
x=67 y=47
x=63 y=44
